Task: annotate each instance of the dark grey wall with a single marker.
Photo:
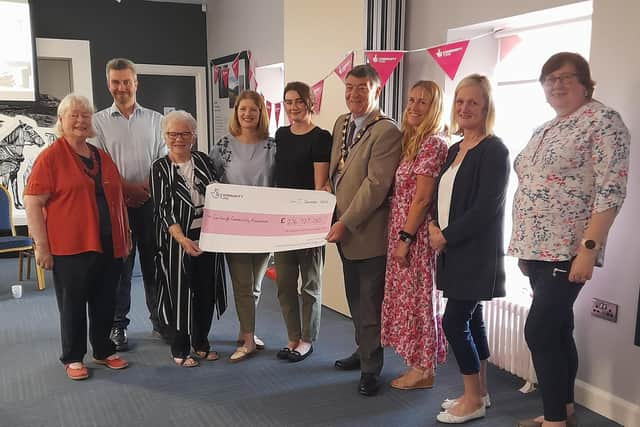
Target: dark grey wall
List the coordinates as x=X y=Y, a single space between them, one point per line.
x=145 y=32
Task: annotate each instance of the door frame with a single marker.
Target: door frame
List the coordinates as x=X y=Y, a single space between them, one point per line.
x=199 y=74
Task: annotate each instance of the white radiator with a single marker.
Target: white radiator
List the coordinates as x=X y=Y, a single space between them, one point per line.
x=504 y=322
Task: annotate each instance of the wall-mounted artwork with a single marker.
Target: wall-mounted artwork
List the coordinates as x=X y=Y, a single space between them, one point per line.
x=24 y=132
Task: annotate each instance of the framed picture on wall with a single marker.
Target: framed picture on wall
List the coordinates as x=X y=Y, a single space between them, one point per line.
x=225 y=87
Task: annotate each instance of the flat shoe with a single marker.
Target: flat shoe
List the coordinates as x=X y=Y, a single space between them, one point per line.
x=208 y=355
x=259 y=343
x=421 y=383
x=284 y=353
x=447 y=418
x=295 y=355
x=448 y=403
x=241 y=354
x=572 y=421
x=186 y=362
x=76 y=373
x=116 y=363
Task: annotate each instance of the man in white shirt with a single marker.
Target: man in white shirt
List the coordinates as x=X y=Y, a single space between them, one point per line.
x=131 y=135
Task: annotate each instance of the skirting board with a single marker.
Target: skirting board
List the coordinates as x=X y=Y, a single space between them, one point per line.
x=607 y=405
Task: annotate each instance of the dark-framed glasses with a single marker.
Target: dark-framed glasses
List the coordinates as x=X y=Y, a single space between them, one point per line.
x=550 y=81
x=183 y=135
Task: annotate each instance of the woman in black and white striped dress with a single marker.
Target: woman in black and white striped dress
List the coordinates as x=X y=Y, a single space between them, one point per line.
x=191 y=281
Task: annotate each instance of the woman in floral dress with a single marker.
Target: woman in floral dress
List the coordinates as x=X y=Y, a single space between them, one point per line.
x=411 y=322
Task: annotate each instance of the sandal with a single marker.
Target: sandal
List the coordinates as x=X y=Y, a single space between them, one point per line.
x=187 y=362
x=208 y=355
x=284 y=353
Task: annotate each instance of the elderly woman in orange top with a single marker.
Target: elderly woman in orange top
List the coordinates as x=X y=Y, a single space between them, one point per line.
x=77 y=216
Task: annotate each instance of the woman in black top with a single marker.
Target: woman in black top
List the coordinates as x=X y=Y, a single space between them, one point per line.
x=191 y=282
x=468 y=234
x=302 y=162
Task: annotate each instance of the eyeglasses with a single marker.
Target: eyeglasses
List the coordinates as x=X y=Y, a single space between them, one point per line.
x=175 y=135
x=550 y=81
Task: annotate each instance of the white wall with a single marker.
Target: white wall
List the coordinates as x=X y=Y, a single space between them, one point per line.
x=313 y=47
x=235 y=25
x=609 y=381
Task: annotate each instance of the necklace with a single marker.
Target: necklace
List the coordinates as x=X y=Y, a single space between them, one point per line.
x=94 y=167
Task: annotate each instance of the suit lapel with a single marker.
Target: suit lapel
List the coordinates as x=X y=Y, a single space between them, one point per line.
x=353 y=153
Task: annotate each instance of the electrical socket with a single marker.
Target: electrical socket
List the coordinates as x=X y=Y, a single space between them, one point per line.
x=604 y=309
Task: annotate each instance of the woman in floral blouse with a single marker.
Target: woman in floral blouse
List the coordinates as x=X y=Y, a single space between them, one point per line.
x=572 y=181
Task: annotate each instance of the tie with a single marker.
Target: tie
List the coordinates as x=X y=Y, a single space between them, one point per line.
x=352 y=130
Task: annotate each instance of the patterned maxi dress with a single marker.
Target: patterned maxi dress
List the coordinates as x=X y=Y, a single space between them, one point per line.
x=411 y=310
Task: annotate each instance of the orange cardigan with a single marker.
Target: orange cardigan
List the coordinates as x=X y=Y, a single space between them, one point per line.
x=71 y=212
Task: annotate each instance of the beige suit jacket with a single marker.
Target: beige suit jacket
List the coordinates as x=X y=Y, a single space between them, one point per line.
x=363 y=188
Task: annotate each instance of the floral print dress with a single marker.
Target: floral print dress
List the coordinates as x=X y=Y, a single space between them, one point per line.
x=411 y=309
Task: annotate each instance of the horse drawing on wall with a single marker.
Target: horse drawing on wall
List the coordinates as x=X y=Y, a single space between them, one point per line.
x=11 y=156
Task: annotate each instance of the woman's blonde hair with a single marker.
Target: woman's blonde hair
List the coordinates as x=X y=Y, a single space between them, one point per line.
x=431 y=124
x=262 y=129
x=490 y=110
x=68 y=102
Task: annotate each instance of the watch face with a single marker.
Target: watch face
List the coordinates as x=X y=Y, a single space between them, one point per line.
x=589 y=244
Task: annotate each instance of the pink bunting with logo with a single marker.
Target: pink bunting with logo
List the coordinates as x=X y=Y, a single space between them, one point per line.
x=278 y=107
x=216 y=71
x=317 y=89
x=344 y=66
x=449 y=56
x=234 y=66
x=225 y=77
x=268 y=104
x=384 y=61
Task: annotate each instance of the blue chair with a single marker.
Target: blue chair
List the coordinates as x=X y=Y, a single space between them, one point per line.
x=9 y=242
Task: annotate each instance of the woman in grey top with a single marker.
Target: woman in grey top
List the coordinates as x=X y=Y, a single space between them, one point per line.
x=246 y=157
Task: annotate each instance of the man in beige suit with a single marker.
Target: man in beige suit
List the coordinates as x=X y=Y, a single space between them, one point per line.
x=365 y=153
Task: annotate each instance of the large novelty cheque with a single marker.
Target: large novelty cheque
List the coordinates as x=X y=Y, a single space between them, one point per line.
x=240 y=218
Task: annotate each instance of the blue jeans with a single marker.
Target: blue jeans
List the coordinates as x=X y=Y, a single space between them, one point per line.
x=464 y=327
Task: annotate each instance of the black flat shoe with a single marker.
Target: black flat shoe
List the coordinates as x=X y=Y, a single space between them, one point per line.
x=295 y=356
x=284 y=353
x=350 y=363
x=368 y=384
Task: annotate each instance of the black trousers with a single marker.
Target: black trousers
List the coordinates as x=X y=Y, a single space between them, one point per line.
x=549 y=334
x=364 y=286
x=142 y=235
x=463 y=325
x=86 y=279
x=203 y=304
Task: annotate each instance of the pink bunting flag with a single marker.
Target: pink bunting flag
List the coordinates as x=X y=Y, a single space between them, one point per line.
x=317 y=89
x=225 y=77
x=507 y=44
x=344 y=66
x=384 y=61
x=216 y=71
x=449 y=56
x=268 y=104
x=234 y=66
x=278 y=107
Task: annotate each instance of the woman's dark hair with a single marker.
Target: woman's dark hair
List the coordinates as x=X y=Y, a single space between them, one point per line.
x=304 y=91
x=583 y=73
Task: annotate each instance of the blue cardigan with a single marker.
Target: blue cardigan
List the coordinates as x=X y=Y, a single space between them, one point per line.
x=471 y=266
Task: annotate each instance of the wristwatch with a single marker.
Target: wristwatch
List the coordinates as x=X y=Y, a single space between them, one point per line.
x=406 y=237
x=589 y=244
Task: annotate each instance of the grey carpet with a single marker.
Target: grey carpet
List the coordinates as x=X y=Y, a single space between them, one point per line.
x=262 y=391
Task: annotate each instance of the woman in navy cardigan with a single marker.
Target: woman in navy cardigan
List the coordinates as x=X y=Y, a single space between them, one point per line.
x=468 y=233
